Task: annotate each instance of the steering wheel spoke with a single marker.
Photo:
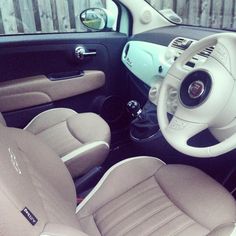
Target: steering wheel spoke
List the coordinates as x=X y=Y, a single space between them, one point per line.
x=224 y=52
x=182 y=130
x=172 y=82
x=178 y=71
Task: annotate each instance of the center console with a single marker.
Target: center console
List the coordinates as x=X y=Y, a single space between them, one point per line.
x=145 y=127
x=147 y=65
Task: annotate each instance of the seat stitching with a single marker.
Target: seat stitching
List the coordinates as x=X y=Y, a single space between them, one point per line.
x=45 y=198
x=104 y=180
x=186 y=226
x=64 y=122
x=72 y=133
x=49 y=127
x=36 y=181
x=33 y=182
x=48 y=111
x=177 y=204
x=131 y=213
x=120 y=195
x=87 y=215
x=95 y=224
x=167 y=221
x=159 y=210
x=126 y=202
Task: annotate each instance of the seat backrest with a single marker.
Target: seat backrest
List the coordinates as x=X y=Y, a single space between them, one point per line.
x=36 y=187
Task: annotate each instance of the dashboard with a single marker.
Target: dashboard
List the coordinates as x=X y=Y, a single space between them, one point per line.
x=150 y=62
x=149 y=56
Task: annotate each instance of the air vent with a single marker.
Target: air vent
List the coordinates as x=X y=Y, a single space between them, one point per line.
x=181 y=43
x=207 y=52
x=184 y=43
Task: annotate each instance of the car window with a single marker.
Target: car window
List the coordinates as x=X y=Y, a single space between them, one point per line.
x=48 y=16
x=220 y=14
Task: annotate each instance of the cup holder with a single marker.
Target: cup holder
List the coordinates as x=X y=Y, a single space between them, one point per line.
x=111 y=108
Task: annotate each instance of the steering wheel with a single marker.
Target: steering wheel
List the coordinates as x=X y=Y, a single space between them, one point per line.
x=206 y=97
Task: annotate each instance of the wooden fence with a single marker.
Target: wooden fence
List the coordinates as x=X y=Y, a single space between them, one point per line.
x=43 y=16
x=46 y=16
x=207 y=13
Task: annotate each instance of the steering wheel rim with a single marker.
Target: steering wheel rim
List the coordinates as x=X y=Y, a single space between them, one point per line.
x=213 y=110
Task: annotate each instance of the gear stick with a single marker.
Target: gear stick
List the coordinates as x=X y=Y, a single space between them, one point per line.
x=134 y=108
x=145 y=126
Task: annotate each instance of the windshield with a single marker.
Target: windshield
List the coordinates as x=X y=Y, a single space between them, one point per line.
x=219 y=14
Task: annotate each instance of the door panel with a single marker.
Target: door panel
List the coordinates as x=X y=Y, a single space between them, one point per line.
x=24 y=57
x=30 y=55
x=38 y=90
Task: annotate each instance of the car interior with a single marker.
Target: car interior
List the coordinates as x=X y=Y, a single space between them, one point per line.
x=123 y=125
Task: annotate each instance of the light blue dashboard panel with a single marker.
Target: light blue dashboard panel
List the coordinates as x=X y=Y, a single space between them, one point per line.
x=147 y=61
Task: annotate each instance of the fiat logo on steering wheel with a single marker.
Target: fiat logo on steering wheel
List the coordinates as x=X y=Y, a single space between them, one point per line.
x=196 y=89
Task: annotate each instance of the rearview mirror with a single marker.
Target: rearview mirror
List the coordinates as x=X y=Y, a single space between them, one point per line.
x=94 y=18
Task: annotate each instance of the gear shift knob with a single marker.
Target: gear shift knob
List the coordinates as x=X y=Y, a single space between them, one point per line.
x=134 y=108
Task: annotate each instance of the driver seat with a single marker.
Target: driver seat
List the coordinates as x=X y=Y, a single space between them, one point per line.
x=139 y=196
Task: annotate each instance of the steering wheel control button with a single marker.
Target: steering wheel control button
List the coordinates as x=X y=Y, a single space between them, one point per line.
x=177 y=124
x=195 y=88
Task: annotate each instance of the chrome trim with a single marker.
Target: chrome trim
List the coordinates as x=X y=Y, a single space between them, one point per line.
x=81 y=53
x=191 y=87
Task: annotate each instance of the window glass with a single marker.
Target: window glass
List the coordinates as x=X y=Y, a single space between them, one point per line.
x=220 y=14
x=48 y=16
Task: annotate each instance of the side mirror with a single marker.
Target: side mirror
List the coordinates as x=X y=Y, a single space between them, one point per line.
x=97 y=19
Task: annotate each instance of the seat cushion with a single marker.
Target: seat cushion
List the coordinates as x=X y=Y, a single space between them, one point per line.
x=143 y=196
x=66 y=132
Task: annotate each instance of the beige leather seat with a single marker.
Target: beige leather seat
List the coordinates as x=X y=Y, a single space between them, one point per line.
x=81 y=140
x=140 y=196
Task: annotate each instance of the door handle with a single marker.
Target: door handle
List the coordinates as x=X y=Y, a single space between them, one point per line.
x=81 y=53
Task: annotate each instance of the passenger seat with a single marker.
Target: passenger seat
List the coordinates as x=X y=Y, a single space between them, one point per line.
x=81 y=140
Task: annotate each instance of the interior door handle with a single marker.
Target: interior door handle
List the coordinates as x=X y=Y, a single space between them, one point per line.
x=81 y=53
